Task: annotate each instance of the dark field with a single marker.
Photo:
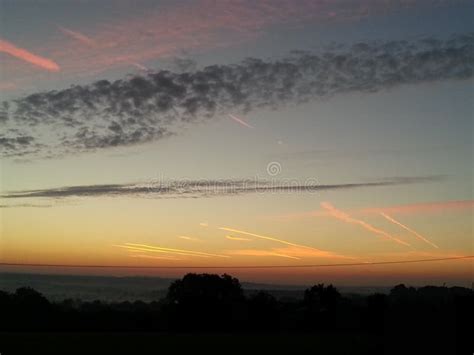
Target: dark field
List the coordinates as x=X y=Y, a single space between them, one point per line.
x=150 y=343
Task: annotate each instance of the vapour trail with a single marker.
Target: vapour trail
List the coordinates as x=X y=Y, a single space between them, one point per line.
x=348 y=219
x=271 y=238
x=419 y=236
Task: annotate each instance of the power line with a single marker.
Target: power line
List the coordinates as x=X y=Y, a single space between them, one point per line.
x=238 y=267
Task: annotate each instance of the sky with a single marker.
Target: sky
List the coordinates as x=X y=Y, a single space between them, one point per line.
x=256 y=138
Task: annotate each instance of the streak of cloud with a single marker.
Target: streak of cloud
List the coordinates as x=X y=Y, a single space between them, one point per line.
x=207 y=188
x=348 y=219
x=23 y=54
x=419 y=236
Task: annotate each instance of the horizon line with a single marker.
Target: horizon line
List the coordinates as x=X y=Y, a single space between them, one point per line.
x=239 y=266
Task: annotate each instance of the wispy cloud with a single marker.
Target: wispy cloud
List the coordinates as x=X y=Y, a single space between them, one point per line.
x=334 y=212
x=149 y=107
x=23 y=54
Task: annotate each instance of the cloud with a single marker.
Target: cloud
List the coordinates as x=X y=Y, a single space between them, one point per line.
x=23 y=54
x=152 y=106
x=204 y=188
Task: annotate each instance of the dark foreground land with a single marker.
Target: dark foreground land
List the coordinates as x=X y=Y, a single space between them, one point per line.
x=211 y=314
x=186 y=343
x=226 y=343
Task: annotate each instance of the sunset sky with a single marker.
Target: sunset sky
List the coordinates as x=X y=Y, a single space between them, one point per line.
x=239 y=133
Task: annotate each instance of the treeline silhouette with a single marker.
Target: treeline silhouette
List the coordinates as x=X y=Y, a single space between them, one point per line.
x=213 y=303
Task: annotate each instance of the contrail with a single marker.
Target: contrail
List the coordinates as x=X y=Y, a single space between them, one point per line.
x=192 y=239
x=348 y=219
x=408 y=229
x=78 y=36
x=141 y=67
x=253 y=252
x=155 y=257
x=238 y=120
x=176 y=250
x=270 y=238
x=237 y=238
x=45 y=63
x=159 y=251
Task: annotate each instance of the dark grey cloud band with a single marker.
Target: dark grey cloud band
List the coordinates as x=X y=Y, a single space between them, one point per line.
x=145 y=108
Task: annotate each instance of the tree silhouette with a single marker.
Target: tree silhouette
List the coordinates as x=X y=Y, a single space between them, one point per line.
x=321 y=304
x=263 y=311
x=205 y=300
x=377 y=305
